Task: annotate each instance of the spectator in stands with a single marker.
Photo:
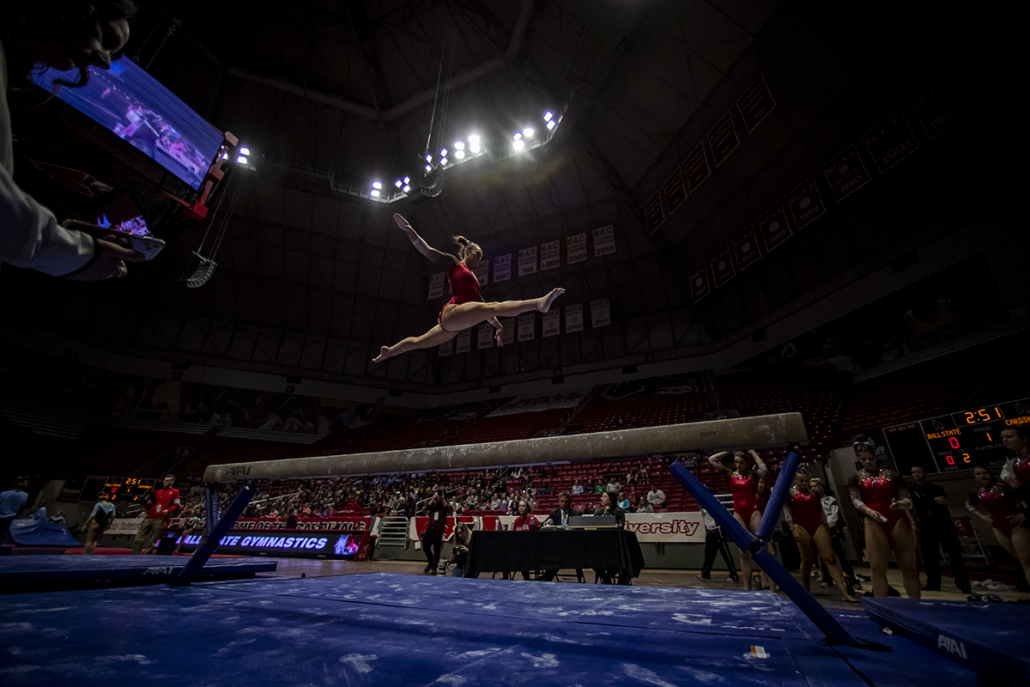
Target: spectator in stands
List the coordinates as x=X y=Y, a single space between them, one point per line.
x=192 y=526
x=643 y=505
x=99 y=520
x=577 y=488
x=291 y=519
x=643 y=477
x=832 y=358
x=67 y=35
x=656 y=497
x=624 y=503
x=832 y=512
x=715 y=542
x=12 y=502
x=936 y=530
x=746 y=481
x=883 y=498
x=165 y=504
x=995 y=503
x=58 y=519
x=804 y=512
x=601 y=488
x=610 y=507
x=432 y=538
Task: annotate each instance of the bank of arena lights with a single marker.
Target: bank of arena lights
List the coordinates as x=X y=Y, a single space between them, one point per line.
x=532 y=135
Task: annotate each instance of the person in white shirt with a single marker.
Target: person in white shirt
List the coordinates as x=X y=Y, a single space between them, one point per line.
x=715 y=542
x=656 y=497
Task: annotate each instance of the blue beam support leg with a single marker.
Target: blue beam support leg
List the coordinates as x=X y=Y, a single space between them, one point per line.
x=780 y=492
x=827 y=624
x=202 y=554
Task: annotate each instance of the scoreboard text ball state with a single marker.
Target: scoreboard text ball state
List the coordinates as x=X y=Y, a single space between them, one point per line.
x=125 y=489
x=957 y=441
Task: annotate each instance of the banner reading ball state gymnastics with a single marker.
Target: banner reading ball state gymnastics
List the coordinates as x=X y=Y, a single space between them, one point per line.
x=287 y=544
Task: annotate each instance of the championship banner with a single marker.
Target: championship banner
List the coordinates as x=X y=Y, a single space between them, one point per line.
x=699 y=284
x=722 y=266
x=890 y=141
x=575 y=249
x=552 y=322
x=940 y=105
x=527 y=261
x=464 y=341
x=485 y=336
x=550 y=255
x=483 y=273
x=600 y=313
x=755 y=104
x=436 y=285
x=846 y=173
x=723 y=138
x=526 y=325
x=604 y=241
x=773 y=227
x=573 y=318
x=745 y=248
x=667 y=528
x=675 y=193
x=654 y=215
x=502 y=268
x=696 y=168
x=536 y=403
x=446 y=348
x=805 y=203
x=507 y=330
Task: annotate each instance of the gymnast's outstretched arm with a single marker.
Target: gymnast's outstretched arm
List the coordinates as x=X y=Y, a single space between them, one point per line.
x=439 y=257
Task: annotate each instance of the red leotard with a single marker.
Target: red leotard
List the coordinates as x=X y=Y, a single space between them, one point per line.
x=807 y=511
x=877 y=493
x=1021 y=469
x=745 y=496
x=464 y=287
x=999 y=504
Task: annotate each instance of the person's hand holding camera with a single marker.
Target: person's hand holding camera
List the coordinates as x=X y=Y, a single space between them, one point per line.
x=109 y=255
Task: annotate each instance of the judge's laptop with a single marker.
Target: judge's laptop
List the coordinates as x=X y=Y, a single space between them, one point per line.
x=592 y=522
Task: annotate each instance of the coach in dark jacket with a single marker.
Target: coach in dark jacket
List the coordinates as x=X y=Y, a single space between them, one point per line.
x=559 y=517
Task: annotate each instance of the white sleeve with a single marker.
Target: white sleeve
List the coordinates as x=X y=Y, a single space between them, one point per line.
x=30 y=236
x=1007 y=472
x=832 y=512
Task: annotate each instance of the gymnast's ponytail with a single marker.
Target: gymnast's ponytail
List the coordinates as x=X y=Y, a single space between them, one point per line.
x=465 y=246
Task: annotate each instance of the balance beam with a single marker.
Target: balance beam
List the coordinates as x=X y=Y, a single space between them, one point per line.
x=763 y=431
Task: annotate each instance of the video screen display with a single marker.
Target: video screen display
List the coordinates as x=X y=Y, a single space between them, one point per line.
x=122 y=214
x=138 y=109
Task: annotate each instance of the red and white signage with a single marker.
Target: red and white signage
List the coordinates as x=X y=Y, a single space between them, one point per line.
x=667 y=528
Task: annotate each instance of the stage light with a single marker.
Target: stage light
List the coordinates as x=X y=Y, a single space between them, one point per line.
x=429 y=168
x=519 y=144
x=460 y=154
x=377 y=185
x=517 y=137
x=474 y=144
x=406 y=188
x=550 y=125
x=398 y=183
x=548 y=116
x=429 y=158
x=374 y=193
x=244 y=150
x=443 y=162
x=443 y=152
x=225 y=156
x=242 y=159
x=528 y=132
x=407 y=180
x=459 y=145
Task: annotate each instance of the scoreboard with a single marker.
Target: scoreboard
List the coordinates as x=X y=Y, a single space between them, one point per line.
x=953 y=442
x=128 y=489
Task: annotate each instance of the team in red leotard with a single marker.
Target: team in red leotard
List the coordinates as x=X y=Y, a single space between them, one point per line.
x=466 y=308
x=808 y=522
x=746 y=484
x=745 y=495
x=997 y=504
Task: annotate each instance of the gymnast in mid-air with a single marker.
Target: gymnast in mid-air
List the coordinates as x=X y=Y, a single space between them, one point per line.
x=466 y=308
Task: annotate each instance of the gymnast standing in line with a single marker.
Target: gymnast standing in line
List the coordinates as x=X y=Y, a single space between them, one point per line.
x=466 y=308
x=883 y=498
x=747 y=481
x=804 y=510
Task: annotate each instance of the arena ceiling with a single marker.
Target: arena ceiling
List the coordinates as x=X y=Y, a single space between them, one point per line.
x=329 y=96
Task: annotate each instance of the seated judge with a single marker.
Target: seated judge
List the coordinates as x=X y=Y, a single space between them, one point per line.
x=610 y=507
x=560 y=518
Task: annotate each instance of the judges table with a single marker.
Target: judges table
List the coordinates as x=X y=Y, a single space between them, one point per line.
x=506 y=552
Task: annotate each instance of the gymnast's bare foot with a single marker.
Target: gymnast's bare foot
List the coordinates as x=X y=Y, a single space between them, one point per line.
x=383 y=355
x=545 y=302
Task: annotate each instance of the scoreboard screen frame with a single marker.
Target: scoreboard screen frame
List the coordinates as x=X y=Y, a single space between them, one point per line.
x=128 y=489
x=956 y=441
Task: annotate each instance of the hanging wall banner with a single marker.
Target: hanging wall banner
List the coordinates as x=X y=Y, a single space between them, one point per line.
x=573 y=318
x=446 y=348
x=604 y=241
x=654 y=215
x=483 y=273
x=675 y=193
x=745 y=248
x=464 y=341
x=502 y=268
x=550 y=255
x=723 y=138
x=700 y=286
x=507 y=331
x=526 y=325
x=722 y=266
x=436 y=285
x=846 y=173
x=940 y=105
x=485 y=336
x=575 y=249
x=805 y=203
x=527 y=261
x=600 y=313
x=552 y=322
x=773 y=227
x=755 y=104
x=890 y=141
x=696 y=168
